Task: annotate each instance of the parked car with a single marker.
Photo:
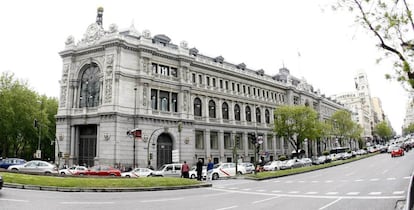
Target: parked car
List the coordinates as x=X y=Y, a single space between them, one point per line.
x=171 y=169
x=249 y=167
x=138 y=172
x=1 y=182
x=100 y=171
x=306 y=161
x=193 y=173
x=35 y=166
x=272 y=165
x=397 y=151
x=72 y=170
x=5 y=163
x=321 y=160
x=227 y=170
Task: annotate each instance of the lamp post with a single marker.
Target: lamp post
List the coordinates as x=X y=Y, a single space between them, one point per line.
x=135 y=116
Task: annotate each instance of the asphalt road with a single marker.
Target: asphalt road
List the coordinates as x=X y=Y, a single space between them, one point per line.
x=378 y=182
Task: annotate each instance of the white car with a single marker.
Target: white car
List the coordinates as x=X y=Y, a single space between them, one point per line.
x=72 y=170
x=35 y=166
x=138 y=172
x=227 y=170
x=273 y=165
x=193 y=173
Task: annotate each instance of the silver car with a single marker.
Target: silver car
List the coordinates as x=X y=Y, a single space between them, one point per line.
x=35 y=166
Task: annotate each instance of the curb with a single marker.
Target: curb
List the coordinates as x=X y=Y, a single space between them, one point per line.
x=76 y=189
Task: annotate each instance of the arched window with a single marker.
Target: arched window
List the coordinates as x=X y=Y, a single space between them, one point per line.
x=197 y=107
x=248 y=114
x=237 y=112
x=258 y=118
x=211 y=109
x=90 y=87
x=267 y=116
x=225 y=111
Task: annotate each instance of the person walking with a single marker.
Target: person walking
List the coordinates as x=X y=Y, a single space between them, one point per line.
x=185 y=170
x=199 y=169
x=210 y=166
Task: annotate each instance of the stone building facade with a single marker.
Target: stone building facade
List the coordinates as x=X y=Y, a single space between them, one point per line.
x=186 y=105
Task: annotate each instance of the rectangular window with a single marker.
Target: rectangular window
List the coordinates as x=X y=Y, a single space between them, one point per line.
x=239 y=140
x=164 y=70
x=278 y=143
x=199 y=137
x=238 y=88
x=232 y=86
x=244 y=89
x=227 y=85
x=154 y=68
x=213 y=140
x=174 y=102
x=214 y=82
x=174 y=72
x=208 y=81
x=164 y=101
x=227 y=141
x=269 y=142
x=248 y=90
x=221 y=83
x=194 y=77
x=254 y=91
x=200 y=79
x=154 y=99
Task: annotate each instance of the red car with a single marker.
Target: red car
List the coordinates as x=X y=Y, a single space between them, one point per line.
x=100 y=171
x=397 y=151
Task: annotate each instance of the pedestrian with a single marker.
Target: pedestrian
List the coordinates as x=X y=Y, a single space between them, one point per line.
x=210 y=166
x=199 y=169
x=185 y=170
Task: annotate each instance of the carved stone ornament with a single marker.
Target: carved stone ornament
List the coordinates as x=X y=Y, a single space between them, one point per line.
x=184 y=44
x=93 y=33
x=109 y=59
x=70 y=40
x=146 y=34
x=113 y=28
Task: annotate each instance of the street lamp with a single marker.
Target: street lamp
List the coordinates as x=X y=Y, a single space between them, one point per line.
x=135 y=116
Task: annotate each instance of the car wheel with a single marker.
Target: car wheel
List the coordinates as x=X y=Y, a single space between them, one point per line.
x=14 y=169
x=275 y=169
x=192 y=176
x=47 y=172
x=127 y=176
x=62 y=173
x=240 y=173
x=112 y=175
x=215 y=176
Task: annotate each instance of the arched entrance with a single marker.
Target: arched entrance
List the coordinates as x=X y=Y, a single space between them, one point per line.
x=164 y=149
x=87 y=144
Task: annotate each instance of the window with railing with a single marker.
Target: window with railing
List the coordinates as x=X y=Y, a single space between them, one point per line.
x=248 y=114
x=237 y=112
x=90 y=86
x=212 y=109
x=225 y=111
x=227 y=141
x=197 y=107
x=213 y=140
x=199 y=139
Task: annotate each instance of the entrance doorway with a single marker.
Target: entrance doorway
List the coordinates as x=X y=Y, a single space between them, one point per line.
x=164 y=149
x=87 y=145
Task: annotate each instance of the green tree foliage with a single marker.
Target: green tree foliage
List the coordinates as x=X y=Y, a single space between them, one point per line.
x=392 y=25
x=383 y=130
x=297 y=123
x=19 y=107
x=409 y=129
x=343 y=127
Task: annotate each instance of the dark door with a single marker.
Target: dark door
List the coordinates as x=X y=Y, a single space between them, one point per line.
x=87 y=145
x=164 y=149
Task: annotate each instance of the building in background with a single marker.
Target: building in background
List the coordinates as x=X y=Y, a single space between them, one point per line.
x=135 y=99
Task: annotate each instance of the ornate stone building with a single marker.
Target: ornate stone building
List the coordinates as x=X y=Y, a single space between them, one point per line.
x=186 y=105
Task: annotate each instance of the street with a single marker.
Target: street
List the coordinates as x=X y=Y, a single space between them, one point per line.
x=378 y=182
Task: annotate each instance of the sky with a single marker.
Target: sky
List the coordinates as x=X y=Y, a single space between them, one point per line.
x=323 y=46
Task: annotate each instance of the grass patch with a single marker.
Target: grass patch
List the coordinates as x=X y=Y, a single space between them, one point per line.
x=89 y=182
x=280 y=173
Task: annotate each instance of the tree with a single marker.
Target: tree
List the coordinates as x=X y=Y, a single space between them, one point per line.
x=342 y=125
x=383 y=130
x=391 y=22
x=409 y=129
x=19 y=107
x=296 y=123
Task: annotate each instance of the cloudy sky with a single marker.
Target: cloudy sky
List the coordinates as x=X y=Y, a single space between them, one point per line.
x=263 y=34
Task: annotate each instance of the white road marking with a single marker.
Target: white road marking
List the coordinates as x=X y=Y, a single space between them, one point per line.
x=261 y=190
x=311 y=193
x=288 y=182
x=328 y=181
x=374 y=180
x=385 y=171
x=233 y=188
x=276 y=191
x=13 y=200
x=260 y=201
x=301 y=181
x=329 y=204
x=406 y=177
x=359 y=180
x=350 y=174
x=86 y=203
x=293 y=192
x=398 y=193
x=392 y=178
x=353 y=193
x=315 y=181
x=331 y=193
x=230 y=207
x=375 y=193
x=162 y=200
x=246 y=189
x=276 y=181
